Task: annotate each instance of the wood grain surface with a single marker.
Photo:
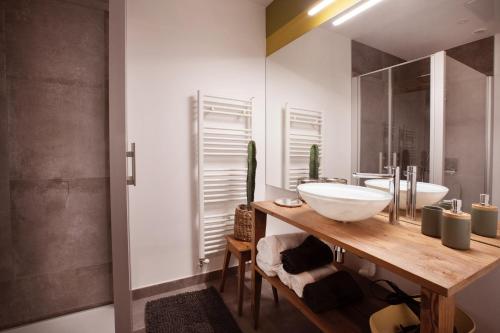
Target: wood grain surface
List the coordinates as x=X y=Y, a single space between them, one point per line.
x=401 y=249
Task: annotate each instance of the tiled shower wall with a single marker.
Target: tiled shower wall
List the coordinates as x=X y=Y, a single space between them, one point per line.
x=55 y=242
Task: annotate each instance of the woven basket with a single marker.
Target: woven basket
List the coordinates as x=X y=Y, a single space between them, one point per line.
x=243 y=223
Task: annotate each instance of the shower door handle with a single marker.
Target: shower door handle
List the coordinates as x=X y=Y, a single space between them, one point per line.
x=380 y=162
x=393 y=163
x=131 y=180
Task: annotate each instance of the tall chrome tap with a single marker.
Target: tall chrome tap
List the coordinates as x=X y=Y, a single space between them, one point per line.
x=395 y=176
x=411 y=192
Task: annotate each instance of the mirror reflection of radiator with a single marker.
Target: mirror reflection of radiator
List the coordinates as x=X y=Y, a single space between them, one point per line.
x=303 y=128
x=224 y=129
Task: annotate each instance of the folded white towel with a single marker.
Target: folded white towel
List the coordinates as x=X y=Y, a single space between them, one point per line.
x=284 y=276
x=270 y=248
x=270 y=270
x=297 y=282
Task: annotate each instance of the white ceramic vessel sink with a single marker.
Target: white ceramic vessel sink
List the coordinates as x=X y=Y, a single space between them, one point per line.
x=344 y=203
x=427 y=193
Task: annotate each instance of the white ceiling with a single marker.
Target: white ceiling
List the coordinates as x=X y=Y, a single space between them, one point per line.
x=414 y=28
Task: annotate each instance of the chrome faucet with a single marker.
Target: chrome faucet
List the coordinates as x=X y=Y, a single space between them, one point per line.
x=395 y=176
x=411 y=192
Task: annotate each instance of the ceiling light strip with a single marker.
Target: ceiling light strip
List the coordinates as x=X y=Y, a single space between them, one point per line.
x=356 y=11
x=319 y=7
x=302 y=23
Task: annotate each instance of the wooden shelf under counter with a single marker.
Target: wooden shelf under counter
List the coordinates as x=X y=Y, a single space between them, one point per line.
x=402 y=249
x=353 y=318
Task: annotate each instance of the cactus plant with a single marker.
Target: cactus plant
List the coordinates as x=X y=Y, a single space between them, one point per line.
x=314 y=162
x=252 y=166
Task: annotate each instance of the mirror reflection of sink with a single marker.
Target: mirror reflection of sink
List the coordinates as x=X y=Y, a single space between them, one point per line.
x=427 y=193
x=344 y=203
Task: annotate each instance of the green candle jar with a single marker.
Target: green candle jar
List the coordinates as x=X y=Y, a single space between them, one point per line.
x=456 y=227
x=432 y=217
x=484 y=218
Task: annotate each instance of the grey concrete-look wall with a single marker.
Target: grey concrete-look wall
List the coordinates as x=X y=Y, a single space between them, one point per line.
x=366 y=59
x=5 y=227
x=478 y=55
x=55 y=248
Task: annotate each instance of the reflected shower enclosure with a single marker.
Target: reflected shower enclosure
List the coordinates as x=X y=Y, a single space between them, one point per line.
x=395 y=121
x=394 y=118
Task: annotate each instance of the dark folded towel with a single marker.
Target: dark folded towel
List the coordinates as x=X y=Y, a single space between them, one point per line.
x=334 y=291
x=311 y=254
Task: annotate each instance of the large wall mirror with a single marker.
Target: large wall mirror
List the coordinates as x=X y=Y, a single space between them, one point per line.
x=308 y=102
x=407 y=83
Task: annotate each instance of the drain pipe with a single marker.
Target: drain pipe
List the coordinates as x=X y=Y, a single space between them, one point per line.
x=368 y=269
x=339 y=254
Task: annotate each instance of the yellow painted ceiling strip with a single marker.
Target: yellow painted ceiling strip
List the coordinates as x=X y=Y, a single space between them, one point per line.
x=280 y=12
x=303 y=23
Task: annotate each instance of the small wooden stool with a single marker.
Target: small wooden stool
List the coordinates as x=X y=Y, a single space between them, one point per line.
x=243 y=251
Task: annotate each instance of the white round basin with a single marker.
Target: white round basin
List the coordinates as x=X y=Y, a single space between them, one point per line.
x=427 y=193
x=344 y=203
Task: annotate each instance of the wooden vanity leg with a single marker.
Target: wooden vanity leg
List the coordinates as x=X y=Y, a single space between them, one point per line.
x=227 y=257
x=241 y=285
x=258 y=231
x=437 y=313
x=275 y=296
x=256 y=291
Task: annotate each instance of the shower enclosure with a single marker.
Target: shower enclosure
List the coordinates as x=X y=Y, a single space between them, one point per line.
x=394 y=118
x=55 y=231
x=430 y=112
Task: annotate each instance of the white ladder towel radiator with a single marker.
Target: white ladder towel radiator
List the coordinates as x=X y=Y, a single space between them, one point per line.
x=303 y=128
x=224 y=129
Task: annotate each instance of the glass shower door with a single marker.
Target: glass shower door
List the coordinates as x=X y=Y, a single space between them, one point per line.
x=394 y=118
x=410 y=116
x=373 y=122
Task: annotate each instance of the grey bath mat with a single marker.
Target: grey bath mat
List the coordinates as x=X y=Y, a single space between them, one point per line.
x=194 y=312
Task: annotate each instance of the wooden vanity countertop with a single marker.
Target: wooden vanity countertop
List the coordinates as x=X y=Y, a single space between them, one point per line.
x=401 y=249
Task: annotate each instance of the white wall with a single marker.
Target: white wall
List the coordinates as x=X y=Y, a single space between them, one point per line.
x=312 y=72
x=174 y=48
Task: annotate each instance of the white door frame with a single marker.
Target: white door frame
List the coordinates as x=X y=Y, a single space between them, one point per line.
x=118 y=167
x=437 y=109
x=495 y=177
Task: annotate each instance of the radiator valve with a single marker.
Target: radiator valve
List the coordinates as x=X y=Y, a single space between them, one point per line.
x=204 y=261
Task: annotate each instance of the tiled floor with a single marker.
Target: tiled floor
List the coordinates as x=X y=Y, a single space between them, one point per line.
x=275 y=319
